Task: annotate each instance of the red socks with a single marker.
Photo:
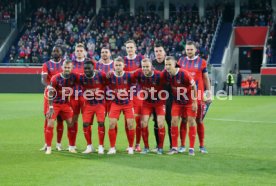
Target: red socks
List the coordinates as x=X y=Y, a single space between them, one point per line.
x=145 y=135
x=192 y=136
x=183 y=133
x=200 y=132
x=45 y=127
x=72 y=135
x=112 y=137
x=101 y=134
x=87 y=131
x=49 y=135
x=138 y=129
x=161 y=135
x=59 y=130
x=174 y=133
x=131 y=136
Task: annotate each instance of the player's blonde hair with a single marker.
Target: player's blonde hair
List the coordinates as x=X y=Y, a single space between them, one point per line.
x=130 y=41
x=119 y=59
x=146 y=60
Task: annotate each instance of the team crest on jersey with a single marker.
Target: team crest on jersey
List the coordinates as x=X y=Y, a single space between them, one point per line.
x=193 y=73
x=125 y=81
x=178 y=81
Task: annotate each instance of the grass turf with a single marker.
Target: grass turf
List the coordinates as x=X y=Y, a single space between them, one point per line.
x=240 y=138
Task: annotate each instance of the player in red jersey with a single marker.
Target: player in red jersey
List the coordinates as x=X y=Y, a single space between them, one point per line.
x=49 y=69
x=76 y=100
x=105 y=64
x=185 y=103
x=120 y=83
x=152 y=84
x=132 y=63
x=198 y=70
x=93 y=83
x=59 y=91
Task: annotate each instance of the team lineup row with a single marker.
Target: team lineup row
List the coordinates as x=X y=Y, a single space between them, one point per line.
x=121 y=76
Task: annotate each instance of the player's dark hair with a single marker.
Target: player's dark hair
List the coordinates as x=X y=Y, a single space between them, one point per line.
x=158 y=44
x=105 y=48
x=57 y=47
x=89 y=62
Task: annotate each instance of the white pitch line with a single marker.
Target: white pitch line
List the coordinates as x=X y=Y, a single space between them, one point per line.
x=246 y=121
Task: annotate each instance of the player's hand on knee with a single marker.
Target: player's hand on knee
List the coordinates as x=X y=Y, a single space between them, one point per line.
x=50 y=113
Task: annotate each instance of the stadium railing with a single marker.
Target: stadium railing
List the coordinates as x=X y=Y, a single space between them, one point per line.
x=215 y=38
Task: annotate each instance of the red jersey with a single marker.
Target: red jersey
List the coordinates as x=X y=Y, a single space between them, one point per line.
x=132 y=64
x=119 y=87
x=51 y=68
x=94 y=87
x=78 y=68
x=104 y=67
x=180 y=83
x=152 y=85
x=58 y=82
x=197 y=67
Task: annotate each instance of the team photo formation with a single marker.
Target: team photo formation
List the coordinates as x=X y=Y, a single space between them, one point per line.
x=168 y=91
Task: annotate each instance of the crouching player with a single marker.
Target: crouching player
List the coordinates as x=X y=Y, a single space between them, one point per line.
x=93 y=84
x=152 y=83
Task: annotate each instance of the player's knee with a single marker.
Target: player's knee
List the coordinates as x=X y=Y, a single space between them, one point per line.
x=50 y=123
x=130 y=125
x=174 y=122
x=191 y=121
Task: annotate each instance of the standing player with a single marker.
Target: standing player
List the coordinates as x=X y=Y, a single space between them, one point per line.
x=132 y=63
x=59 y=92
x=151 y=82
x=185 y=103
x=105 y=64
x=76 y=100
x=159 y=64
x=93 y=83
x=49 y=69
x=119 y=83
x=198 y=70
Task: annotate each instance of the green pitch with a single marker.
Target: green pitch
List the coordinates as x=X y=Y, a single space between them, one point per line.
x=240 y=138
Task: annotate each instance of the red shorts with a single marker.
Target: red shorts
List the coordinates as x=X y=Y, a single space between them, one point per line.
x=148 y=108
x=137 y=105
x=115 y=110
x=63 y=110
x=90 y=110
x=183 y=110
x=77 y=105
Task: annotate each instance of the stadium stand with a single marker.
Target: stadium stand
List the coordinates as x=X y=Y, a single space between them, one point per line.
x=111 y=28
x=62 y=25
x=6 y=10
